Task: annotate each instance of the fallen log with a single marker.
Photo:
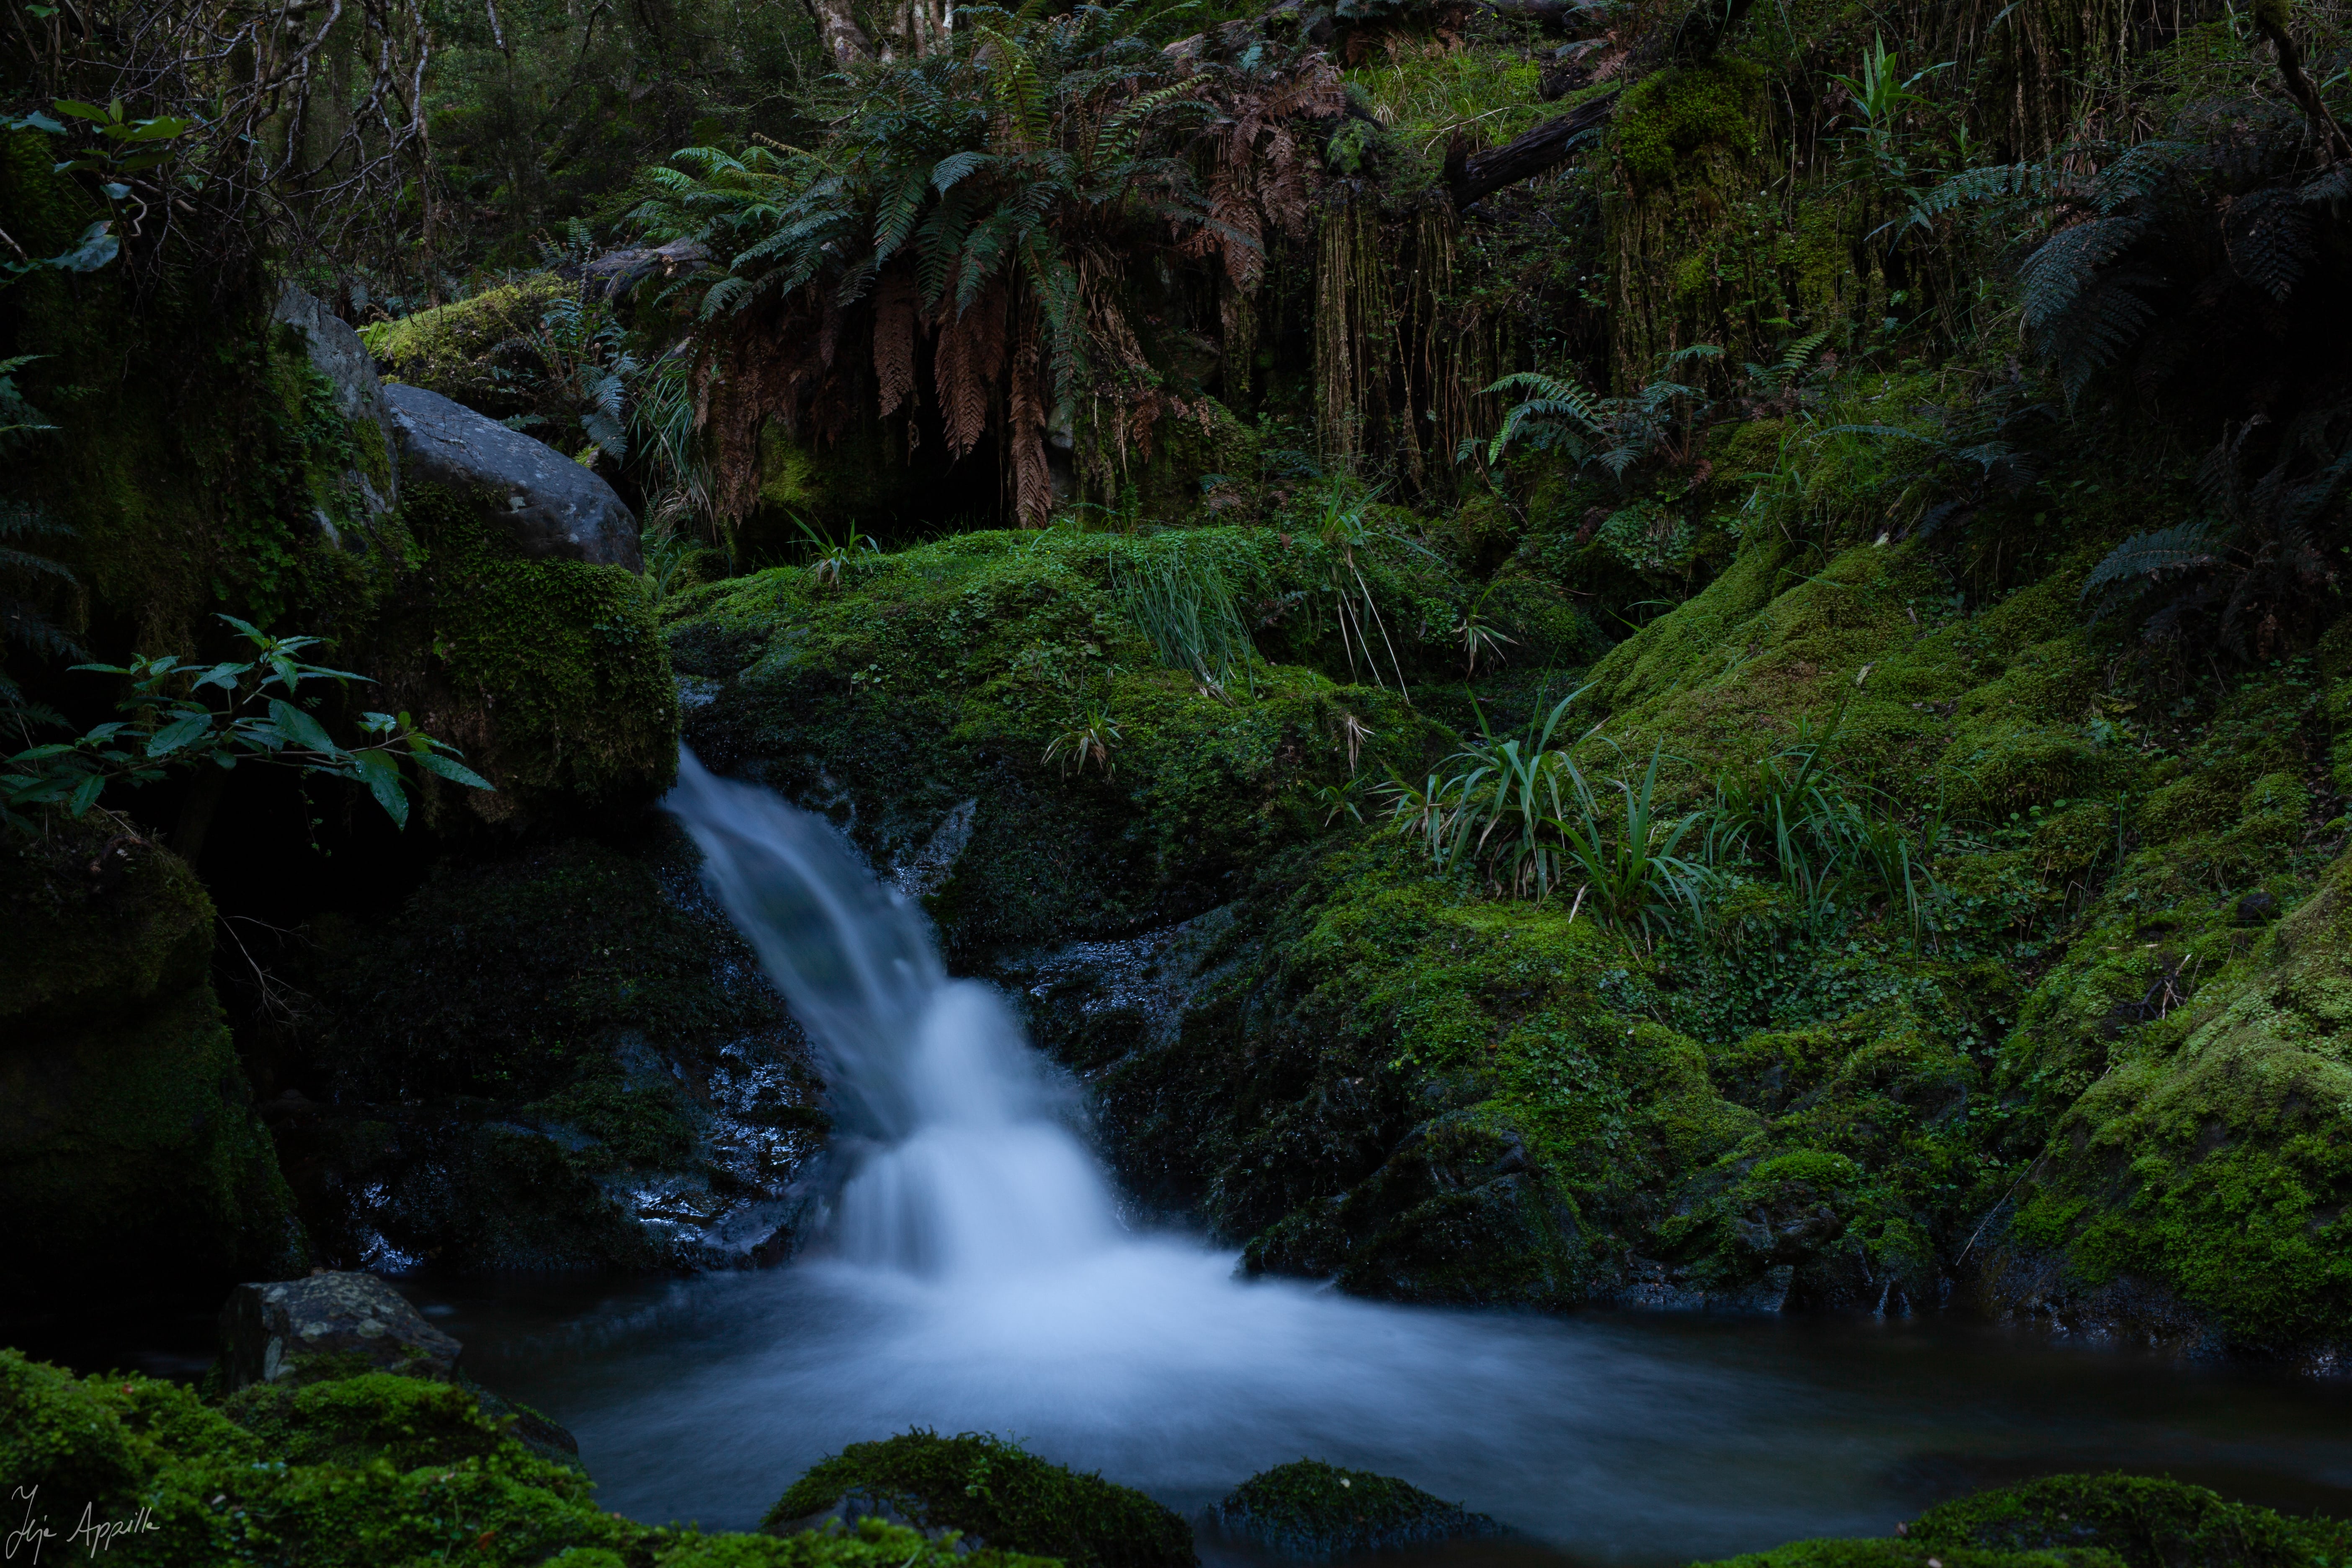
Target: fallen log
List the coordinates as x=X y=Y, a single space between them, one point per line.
x=1470 y=175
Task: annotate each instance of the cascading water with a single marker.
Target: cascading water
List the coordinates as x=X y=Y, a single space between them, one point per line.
x=961 y=1166
x=978 y=1280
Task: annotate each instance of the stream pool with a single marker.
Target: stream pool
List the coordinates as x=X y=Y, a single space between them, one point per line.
x=1602 y=1437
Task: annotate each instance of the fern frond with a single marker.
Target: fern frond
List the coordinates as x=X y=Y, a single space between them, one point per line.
x=2150 y=554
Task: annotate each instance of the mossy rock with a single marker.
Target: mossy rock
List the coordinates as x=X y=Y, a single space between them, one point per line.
x=200 y=462
x=198 y=1488
x=1312 y=1509
x=1684 y=110
x=472 y=351
x=2210 y=1163
x=407 y=1422
x=955 y=671
x=130 y=1155
x=999 y=1495
x=2145 y=1522
x=1905 y=1554
x=549 y=675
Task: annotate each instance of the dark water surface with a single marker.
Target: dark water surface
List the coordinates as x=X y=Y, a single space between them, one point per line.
x=1605 y=1439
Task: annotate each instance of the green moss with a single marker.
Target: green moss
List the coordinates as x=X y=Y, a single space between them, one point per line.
x=945 y=673
x=462 y=350
x=103 y=923
x=998 y=1494
x=1903 y=1554
x=549 y=675
x=1308 y=1509
x=360 y=1473
x=873 y=1544
x=2146 y=1522
x=2208 y=1156
x=1669 y=116
x=405 y=1421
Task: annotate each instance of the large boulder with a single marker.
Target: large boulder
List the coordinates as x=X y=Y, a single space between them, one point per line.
x=549 y=506
x=326 y=1326
x=342 y=360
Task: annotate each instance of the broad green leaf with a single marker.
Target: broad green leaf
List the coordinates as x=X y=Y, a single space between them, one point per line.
x=383 y=782
x=95 y=249
x=178 y=733
x=301 y=728
x=457 y=772
x=85 y=795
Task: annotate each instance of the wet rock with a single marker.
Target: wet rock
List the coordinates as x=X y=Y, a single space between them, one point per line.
x=549 y=506
x=1318 y=1511
x=325 y=1326
x=671 y=1132
x=2257 y=908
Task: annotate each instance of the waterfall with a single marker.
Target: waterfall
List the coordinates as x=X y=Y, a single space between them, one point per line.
x=959 y=1164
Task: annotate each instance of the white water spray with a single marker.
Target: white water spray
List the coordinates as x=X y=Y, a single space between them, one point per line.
x=960 y=1167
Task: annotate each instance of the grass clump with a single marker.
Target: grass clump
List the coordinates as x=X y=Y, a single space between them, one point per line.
x=1310 y=1509
x=998 y=1494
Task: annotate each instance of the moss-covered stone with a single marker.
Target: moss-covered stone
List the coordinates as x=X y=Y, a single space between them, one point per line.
x=2146 y=1522
x=2209 y=1157
x=947 y=673
x=549 y=675
x=130 y=1156
x=475 y=350
x=998 y=1494
x=1310 y=1509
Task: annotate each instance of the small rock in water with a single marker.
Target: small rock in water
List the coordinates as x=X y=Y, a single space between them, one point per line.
x=329 y=1325
x=1316 y=1511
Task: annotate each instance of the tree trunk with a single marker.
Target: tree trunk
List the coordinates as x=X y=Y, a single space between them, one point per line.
x=843 y=39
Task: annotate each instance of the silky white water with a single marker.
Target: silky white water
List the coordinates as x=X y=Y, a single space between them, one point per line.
x=974 y=1276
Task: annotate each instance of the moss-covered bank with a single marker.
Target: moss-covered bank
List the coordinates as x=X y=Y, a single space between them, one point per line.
x=377 y=1471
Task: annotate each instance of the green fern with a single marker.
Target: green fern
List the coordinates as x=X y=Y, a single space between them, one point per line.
x=2151 y=554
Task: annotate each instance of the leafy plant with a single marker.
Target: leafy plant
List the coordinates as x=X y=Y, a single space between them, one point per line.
x=1479 y=634
x=1091 y=742
x=1522 y=808
x=1877 y=101
x=1788 y=817
x=179 y=715
x=1633 y=876
x=1663 y=418
x=2263 y=565
x=831 y=558
x=1342 y=526
x=2193 y=254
